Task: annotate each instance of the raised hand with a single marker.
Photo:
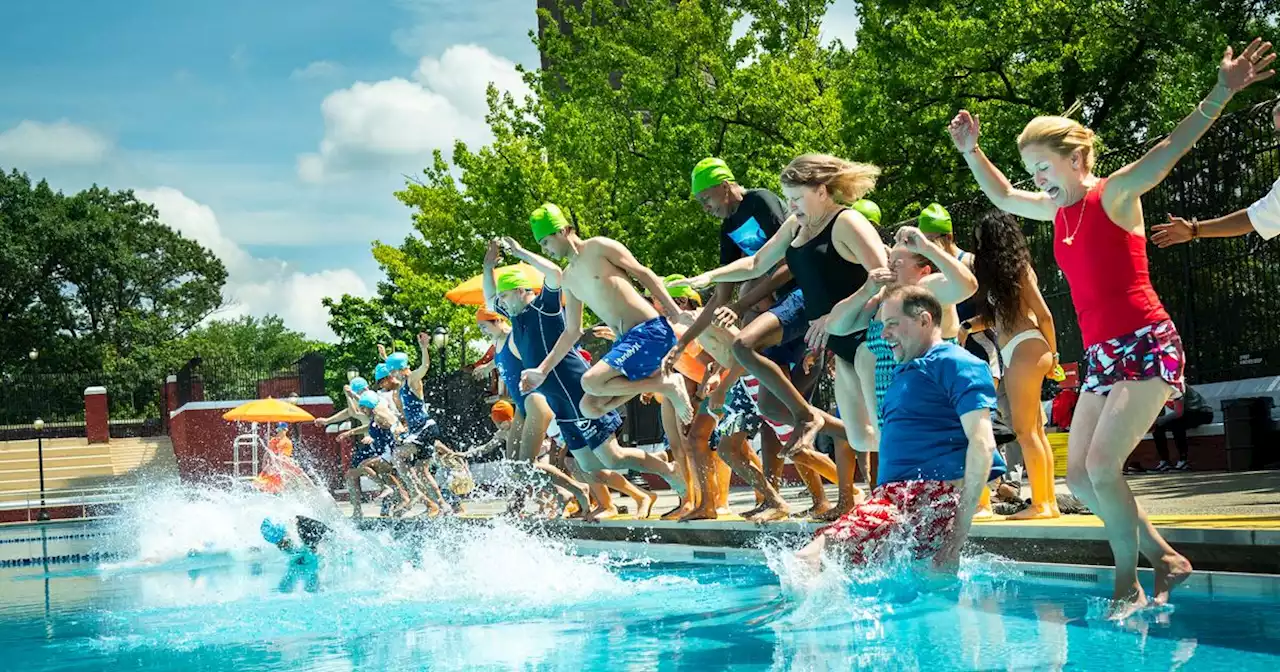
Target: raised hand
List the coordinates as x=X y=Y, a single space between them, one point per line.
x=424 y=339
x=882 y=277
x=964 y=131
x=512 y=245
x=382 y=352
x=1237 y=72
x=1176 y=231
x=911 y=238
x=492 y=253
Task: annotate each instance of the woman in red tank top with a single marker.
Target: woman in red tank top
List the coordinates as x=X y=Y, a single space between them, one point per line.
x=1133 y=358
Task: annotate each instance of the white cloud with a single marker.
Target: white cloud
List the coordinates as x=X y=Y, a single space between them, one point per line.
x=35 y=143
x=395 y=124
x=257 y=286
x=317 y=70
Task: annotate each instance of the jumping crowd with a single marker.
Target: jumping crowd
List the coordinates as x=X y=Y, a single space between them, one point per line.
x=919 y=337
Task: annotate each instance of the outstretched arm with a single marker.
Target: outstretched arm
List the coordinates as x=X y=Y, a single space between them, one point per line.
x=549 y=270
x=531 y=379
x=1234 y=74
x=754 y=266
x=416 y=375
x=1030 y=204
x=1179 y=230
x=954 y=282
x=854 y=313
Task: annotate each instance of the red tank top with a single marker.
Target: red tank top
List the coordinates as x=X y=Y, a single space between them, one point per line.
x=1106 y=269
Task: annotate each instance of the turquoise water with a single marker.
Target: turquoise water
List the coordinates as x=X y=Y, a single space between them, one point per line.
x=501 y=598
x=190 y=585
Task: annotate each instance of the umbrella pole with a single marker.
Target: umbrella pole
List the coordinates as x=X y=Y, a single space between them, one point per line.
x=255 y=449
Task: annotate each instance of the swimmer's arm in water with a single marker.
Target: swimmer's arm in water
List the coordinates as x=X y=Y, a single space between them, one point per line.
x=531 y=379
x=754 y=266
x=1044 y=318
x=617 y=254
x=549 y=270
x=977 y=468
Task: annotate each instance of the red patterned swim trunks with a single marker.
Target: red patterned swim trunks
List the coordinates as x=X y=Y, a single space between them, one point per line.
x=917 y=515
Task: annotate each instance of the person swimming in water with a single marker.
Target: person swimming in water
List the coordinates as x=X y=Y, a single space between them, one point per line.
x=304 y=557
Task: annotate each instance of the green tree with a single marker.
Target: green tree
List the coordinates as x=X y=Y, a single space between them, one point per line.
x=1133 y=70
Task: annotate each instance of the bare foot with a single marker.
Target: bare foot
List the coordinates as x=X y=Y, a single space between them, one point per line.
x=583 y=498
x=1125 y=603
x=600 y=514
x=674 y=390
x=817 y=510
x=757 y=509
x=724 y=511
x=774 y=513
x=984 y=513
x=1170 y=571
x=835 y=512
x=644 y=507
x=700 y=513
x=804 y=435
x=1033 y=512
x=678 y=512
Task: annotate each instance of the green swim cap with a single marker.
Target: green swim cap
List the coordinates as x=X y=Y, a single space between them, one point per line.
x=546 y=220
x=708 y=173
x=513 y=278
x=934 y=219
x=869 y=210
x=680 y=292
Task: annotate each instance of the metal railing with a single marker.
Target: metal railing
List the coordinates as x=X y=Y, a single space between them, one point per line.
x=92 y=502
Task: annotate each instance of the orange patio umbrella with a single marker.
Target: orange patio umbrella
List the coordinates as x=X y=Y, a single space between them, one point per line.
x=267 y=410
x=471 y=292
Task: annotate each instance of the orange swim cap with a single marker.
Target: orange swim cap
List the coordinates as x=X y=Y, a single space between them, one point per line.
x=486 y=315
x=502 y=412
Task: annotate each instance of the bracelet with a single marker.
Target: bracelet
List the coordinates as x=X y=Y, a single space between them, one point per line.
x=1195 y=229
x=1200 y=109
x=972 y=151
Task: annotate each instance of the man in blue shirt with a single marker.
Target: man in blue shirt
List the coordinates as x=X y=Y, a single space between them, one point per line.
x=937 y=447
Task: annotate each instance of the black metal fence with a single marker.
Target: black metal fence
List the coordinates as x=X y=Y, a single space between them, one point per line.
x=457 y=402
x=203 y=379
x=134 y=401
x=1224 y=294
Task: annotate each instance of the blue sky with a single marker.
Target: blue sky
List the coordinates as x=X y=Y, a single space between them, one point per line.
x=272 y=132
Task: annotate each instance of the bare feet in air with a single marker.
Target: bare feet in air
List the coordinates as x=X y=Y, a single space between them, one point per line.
x=1170 y=571
x=674 y=390
x=804 y=434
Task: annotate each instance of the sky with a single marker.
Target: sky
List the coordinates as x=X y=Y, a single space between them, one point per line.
x=273 y=133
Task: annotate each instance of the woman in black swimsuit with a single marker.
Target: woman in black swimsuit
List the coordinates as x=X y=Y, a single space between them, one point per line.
x=830 y=249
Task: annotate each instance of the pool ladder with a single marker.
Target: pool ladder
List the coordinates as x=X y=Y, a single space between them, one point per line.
x=250 y=442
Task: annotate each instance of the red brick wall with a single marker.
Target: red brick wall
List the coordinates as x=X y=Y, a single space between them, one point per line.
x=202 y=443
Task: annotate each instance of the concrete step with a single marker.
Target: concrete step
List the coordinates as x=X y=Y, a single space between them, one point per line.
x=7 y=478
x=33 y=463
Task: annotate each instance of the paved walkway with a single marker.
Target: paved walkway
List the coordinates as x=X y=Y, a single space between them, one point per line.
x=1208 y=500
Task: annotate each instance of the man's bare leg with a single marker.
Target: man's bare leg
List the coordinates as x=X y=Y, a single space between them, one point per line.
x=681 y=460
x=764 y=332
x=737 y=452
x=590 y=462
x=854 y=411
x=607 y=388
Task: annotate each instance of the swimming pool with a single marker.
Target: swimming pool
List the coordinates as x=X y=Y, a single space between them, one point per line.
x=498 y=597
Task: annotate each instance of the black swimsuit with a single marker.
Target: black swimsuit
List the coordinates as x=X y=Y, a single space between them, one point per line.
x=826 y=278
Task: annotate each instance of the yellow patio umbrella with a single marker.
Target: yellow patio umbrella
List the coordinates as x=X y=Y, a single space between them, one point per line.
x=267 y=410
x=471 y=292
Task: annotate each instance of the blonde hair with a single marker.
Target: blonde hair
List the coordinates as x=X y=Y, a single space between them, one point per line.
x=1062 y=136
x=847 y=181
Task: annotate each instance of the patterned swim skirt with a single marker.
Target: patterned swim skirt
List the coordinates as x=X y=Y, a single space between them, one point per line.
x=1154 y=351
x=916 y=515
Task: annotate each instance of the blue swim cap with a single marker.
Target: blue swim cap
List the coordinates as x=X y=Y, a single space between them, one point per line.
x=282 y=426
x=359 y=384
x=379 y=372
x=397 y=361
x=369 y=399
x=272 y=531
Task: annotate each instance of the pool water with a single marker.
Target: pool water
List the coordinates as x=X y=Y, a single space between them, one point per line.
x=498 y=597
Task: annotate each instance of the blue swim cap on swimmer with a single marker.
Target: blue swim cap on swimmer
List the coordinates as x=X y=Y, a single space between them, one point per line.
x=282 y=426
x=379 y=372
x=397 y=361
x=272 y=531
x=359 y=385
x=369 y=400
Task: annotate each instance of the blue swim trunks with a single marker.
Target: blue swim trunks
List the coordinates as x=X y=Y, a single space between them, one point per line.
x=790 y=312
x=363 y=452
x=587 y=434
x=639 y=352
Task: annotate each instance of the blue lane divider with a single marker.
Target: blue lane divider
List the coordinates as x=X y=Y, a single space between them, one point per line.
x=61 y=559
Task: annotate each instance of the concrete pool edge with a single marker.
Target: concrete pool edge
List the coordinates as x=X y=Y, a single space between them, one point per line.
x=1207 y=584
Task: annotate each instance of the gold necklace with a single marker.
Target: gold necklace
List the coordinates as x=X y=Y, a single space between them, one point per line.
x=1071 y=235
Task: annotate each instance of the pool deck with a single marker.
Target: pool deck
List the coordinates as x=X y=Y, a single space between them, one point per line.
x=1221 y=521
